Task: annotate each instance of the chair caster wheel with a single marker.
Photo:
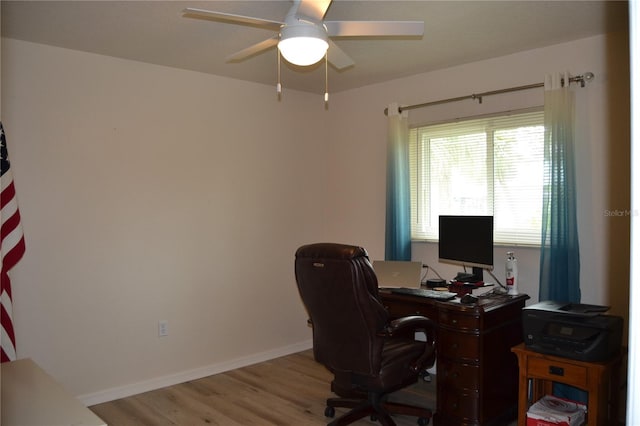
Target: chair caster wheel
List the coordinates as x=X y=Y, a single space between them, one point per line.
x=423 y=421
x=329 y=412
x=426 y=376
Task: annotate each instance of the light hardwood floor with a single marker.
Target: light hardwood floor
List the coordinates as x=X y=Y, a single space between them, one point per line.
x=285 y=391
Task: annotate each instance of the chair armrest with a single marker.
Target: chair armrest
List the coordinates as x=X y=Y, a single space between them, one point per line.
x=411 y=323
x=415 y=323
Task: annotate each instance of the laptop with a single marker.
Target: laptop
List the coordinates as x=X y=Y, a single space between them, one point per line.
x=393 y=273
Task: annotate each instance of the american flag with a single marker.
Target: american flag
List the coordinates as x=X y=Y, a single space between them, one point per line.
x=12 y=249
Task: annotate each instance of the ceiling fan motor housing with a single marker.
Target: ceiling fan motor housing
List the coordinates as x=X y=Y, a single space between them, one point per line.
x=303 y=42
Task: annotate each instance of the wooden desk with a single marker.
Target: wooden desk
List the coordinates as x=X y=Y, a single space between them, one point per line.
x=597 y=378
x=476 y=374
x=30 y=397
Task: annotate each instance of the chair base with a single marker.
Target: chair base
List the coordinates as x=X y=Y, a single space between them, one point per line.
x=375 y=408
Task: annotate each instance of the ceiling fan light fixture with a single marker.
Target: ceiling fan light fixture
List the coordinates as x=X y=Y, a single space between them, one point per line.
x=302 y=44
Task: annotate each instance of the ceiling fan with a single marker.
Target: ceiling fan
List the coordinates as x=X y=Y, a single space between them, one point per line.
x=303 y=38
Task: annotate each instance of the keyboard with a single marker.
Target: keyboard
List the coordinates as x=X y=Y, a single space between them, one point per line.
x=423 y=292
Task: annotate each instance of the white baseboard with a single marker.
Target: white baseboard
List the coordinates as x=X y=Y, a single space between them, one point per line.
x=185 y=376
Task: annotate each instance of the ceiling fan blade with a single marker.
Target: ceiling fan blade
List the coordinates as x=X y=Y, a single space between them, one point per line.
x=314 y=9
x=337 y=57
x=231 y=18
x=252 y=50
x=374 y=28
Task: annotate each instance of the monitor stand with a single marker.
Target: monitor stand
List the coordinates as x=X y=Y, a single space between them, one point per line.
x=477 y=274
x=474 y=277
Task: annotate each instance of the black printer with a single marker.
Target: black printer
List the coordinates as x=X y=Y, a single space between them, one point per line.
x=572 y=330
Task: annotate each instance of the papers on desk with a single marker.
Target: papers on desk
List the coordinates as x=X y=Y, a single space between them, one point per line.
x=487 y=288
x=461 y=289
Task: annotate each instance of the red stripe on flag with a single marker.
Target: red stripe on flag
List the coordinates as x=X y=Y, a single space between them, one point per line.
x=13 y=255
x=8 y=193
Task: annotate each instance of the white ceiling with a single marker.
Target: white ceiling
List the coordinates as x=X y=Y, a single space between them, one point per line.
x=456 y=32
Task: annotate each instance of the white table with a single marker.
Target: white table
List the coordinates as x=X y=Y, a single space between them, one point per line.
x=30 y=397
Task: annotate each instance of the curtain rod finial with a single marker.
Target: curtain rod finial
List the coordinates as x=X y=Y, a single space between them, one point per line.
x=393 y=109
x=584 y=78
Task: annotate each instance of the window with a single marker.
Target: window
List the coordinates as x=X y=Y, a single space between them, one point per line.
x=485 y=166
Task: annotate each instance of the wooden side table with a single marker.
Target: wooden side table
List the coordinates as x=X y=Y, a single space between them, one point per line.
x=597 y=378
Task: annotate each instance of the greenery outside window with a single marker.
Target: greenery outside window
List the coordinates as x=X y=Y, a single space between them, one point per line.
x=482 y=166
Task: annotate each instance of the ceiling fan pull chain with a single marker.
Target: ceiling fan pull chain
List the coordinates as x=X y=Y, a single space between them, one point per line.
x=326 y=78
x=279 y=86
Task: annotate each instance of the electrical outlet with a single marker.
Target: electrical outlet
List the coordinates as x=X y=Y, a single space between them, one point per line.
x=163 y=328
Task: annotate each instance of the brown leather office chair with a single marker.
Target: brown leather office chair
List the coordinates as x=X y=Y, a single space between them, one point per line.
x=369 y=355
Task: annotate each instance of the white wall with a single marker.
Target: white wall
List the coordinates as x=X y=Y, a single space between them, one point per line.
x=152 y=193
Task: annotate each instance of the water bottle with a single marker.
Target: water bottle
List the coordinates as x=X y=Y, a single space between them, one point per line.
x=511 y=269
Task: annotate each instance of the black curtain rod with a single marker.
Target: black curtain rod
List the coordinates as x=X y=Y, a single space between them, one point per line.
x=588 y=76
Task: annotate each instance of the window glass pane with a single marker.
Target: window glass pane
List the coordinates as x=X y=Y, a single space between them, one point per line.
x=518 y=184
x=459 y=175
x=487 y=166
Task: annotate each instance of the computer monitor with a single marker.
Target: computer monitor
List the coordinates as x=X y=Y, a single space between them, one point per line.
x=467 y=241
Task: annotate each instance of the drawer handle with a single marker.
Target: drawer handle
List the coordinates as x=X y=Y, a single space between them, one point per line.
x=454 y=321
x=556 y=371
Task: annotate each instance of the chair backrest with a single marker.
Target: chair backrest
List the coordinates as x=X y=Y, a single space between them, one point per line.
x=339 y=288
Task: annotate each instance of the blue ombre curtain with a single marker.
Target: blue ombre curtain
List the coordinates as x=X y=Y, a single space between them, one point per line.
x=559 y=254
x=398 y=219
x=559 y=251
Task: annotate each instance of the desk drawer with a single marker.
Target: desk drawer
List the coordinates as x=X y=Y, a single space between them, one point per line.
x=456 y=320
x=458 y=345
x=398 y=309
x=571 y=374
x=458 y=408
x=458 y=375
